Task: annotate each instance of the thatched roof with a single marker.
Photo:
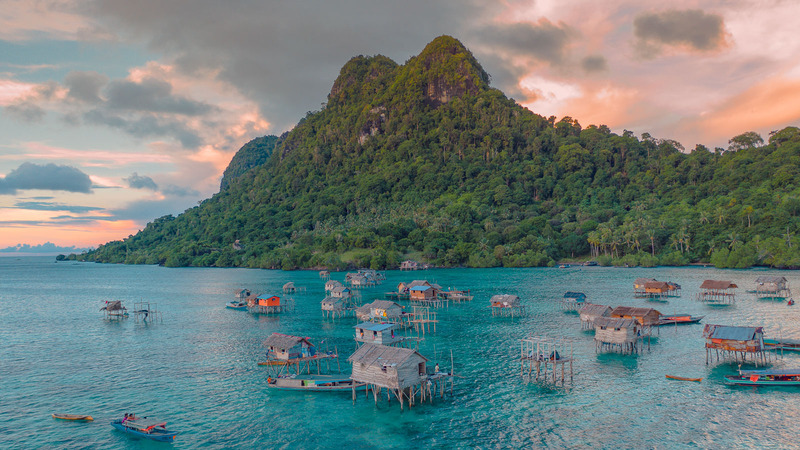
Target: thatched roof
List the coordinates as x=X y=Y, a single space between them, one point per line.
x=715 y=285
x=633 y=311
x=615 y=322
x=383 y=304
x=382 y=355
x=657 y=285
x=590 y=309
x=289 y=285
x=332 y=301
x=423 y=283
x=770 y=280
x=639 y=282
x=731 y=333
x=284 y=341
x=114 y=305
x=339 y=290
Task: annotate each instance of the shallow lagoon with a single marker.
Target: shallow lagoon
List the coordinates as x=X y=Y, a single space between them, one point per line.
x=198 y=369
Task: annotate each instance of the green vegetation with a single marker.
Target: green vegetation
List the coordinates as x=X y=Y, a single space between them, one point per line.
x=426 y=159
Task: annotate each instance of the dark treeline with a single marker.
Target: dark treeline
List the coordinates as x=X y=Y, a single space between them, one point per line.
x=425 y=160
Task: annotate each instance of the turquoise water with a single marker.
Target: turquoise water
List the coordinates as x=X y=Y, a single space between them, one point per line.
x=198 y=369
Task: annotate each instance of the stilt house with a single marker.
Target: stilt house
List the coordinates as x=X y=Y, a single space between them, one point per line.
x=289 y=288
x=409 y=265
x=573 y=301
x=717 y=291
x=377 y=333
x=505 y=304
x=772 y=287
x=623 y=335
x=283 y=347
x=589 y=312
x=394 y=368
x=725 y=341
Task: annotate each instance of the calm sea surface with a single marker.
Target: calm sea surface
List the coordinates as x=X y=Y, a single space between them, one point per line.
x=198 y=369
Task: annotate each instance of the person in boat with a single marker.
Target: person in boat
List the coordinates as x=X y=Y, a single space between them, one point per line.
x=125 y=418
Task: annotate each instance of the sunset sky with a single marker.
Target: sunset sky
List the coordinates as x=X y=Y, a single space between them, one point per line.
x=116 y=112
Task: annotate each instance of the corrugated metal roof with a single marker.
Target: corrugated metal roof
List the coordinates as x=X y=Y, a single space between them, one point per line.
x=284 y=341
x=375 y=326
x=383 y=304
x=633 y=311
x=730 y=333
x=505 y=298
x=420 y=288
x=579 y=296
x=374 y=354
x=594 y=310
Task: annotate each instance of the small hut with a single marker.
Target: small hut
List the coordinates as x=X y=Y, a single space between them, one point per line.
x=506 y=305
x=401 y=371
x=289 y=288
x=114 y=310
x=333 y=307
x=331 y=284
x=589 y=312
x=409 y=265
x=573 y=301
x=324 y=274
x=638 y=286
x=341 y=292
x=768 y=287
x=724 y=341
x=268 y=305
x=647 y=317
x=283 y=347
x=615 y=334
x=378 y=333
x=286 y=352
x=381 y=311
x=715 y=291
x=422 y=293
x=242 y=294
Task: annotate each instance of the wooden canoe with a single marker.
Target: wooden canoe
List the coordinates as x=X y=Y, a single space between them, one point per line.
x=72 y=417
x=675 y=377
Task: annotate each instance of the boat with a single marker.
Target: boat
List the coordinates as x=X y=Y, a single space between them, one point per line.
x=675 y=377
x=769 y=377
x=678 y=319
x=239 y=306
x=145 y=428
x=590 y=263
x=73 y=417
x=563 y=266
x=315 y=383
x=792 y=345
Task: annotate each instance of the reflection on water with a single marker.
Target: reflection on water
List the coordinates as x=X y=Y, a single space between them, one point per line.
x=198 y=368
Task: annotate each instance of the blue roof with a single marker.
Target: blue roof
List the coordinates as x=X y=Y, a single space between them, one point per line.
x=734 y=333
x=374 y=326
x=576 y=295
x=420 y=288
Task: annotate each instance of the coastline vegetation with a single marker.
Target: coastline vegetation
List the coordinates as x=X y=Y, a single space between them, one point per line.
x=426 y=161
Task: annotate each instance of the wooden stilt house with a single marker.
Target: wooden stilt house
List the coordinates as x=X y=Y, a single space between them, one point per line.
x=506 y=305
x=268 y=305
x=615 y=334
x=331 y=284
x=589 y=312
x=738 y=343
x=647 y=317
x=573 y=301
x=286 y=353
x=289 y=288
x=716 y=291
x=378 y=333
x=771 y=287
x=383 y=311
x=401 y=371
x=409 y=265
x=639 y=286
x=324 y=274
x=114 y=309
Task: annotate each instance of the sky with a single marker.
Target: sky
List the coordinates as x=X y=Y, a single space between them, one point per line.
x=114 y=113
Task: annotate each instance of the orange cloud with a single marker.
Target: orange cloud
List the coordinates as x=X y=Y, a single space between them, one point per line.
x=764 y=107
x=80 y=235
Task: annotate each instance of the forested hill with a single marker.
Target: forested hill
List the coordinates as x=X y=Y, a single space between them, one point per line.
x=425 y=160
